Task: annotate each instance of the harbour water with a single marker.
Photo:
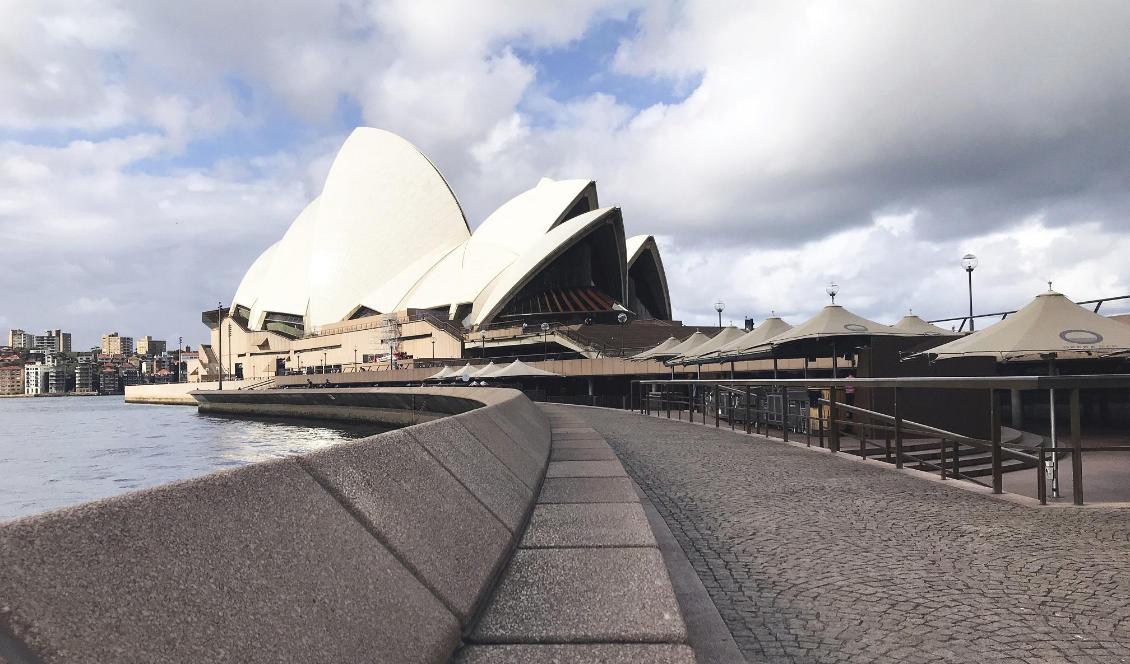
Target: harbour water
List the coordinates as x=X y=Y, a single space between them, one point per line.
x=56 y=452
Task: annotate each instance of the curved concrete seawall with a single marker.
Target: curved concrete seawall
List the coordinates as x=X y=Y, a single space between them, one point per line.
x=380 y=550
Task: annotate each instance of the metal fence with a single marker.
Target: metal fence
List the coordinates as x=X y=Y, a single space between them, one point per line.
x=799 y=408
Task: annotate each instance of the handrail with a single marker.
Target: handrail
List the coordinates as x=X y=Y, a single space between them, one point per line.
x=738 y=394
x=1005 y=314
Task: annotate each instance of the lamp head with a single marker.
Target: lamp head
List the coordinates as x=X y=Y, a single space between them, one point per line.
x=545 y=327
x=969 y=262
x=832 y=289
x=719 y=305
x=622 y=317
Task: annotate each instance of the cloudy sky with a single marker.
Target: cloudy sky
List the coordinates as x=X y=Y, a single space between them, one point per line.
x=149 y=150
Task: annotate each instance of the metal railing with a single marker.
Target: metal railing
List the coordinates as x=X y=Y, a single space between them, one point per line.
x=759 y=405
x=1005 y=314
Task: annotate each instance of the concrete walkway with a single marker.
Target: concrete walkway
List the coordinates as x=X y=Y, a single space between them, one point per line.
x=813 y=558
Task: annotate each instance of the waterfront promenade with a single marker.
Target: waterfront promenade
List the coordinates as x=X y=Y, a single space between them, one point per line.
x=813 y=558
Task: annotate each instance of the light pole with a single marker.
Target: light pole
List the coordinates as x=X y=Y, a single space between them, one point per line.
x=433 y=346
x=719 y=305
x=544 y=342
x=323 y=364
x=355 y=358
x=969 y=262
x=622 y=318
x=231 y=366
x=831 y=289
x=220 y=337
x=483 y=342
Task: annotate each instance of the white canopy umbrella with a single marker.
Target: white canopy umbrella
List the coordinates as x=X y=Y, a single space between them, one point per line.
x=467 y=372
x=768 y=329
x=518 y=369
x=1050 y=324
x=661 y=349
x=915 y=325
x=445 y=372
x=686 y=346
x=486 y=371
x=835 y=321
x=727 y=335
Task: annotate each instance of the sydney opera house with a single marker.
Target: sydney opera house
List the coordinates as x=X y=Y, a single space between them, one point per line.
x=387 y=251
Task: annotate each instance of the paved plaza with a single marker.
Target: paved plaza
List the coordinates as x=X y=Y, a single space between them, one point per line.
x=812 y=558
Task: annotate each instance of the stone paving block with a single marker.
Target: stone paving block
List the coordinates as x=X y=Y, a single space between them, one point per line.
x=420 y=511
x=580 y=444
x=588 y=490
x=480 y=471
x=588 y=524
x=522 y=460
x=572 y=430
x=583 y=595
x=585 y=469
x=258 y=564
x=577 y=435
x=582 y=454
x=591 y=653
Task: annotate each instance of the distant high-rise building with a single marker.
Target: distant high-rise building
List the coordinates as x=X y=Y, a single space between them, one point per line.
x=60 y=378
x=109 y=382
x=20 y=339
x=84 y=376
x=115 y=344
x=55 y=341
x=35 y=378
x=147 y=345
x=12 y=379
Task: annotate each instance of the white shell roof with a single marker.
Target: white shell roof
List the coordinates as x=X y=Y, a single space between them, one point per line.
x=387 y=233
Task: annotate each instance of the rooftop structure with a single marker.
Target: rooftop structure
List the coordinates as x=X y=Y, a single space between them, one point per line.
x=387 y=234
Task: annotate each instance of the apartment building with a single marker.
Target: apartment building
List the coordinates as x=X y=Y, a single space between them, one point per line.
x=35 y=378
x=21 y=339
x=115 y=344
x=147 y=345
x=12 y=379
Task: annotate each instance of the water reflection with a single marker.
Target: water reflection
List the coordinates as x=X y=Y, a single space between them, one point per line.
x=56 y=452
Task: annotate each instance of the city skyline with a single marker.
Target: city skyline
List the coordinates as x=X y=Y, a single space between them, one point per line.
x=771 y=147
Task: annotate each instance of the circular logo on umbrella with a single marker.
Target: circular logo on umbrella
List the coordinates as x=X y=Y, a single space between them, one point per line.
x=1086 y=337
x=855 y=327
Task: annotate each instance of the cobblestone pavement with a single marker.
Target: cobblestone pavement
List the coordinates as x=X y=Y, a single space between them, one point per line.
x=810 y=558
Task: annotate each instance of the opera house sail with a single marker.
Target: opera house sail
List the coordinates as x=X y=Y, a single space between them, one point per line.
x=387 y=234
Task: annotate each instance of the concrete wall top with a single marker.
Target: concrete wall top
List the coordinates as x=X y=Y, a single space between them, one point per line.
x=382 y=549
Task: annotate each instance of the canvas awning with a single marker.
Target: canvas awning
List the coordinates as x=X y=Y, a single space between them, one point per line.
x=915 y=325
x=686 y=346
x=442 y=374
x=486 y=371
x=768 y=329
x=1049 y=324
x=724 y=337
x=658 y=350
x=519 y=369
x=831 y=324
x=467 y=372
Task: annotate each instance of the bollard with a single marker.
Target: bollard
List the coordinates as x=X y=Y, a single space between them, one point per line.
x=747 y=422
x=1076 y=450
x=833 y=428
x=898 y=429
x=1041 y=478
x=995 y=435
x=785 y=414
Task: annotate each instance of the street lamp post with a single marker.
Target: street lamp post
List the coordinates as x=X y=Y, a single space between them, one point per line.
x=622 y=318
x=969 y=262
x=832 y=289
x=220 y=337
x=483 y=344
x=719 y=305
x=544 y=342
